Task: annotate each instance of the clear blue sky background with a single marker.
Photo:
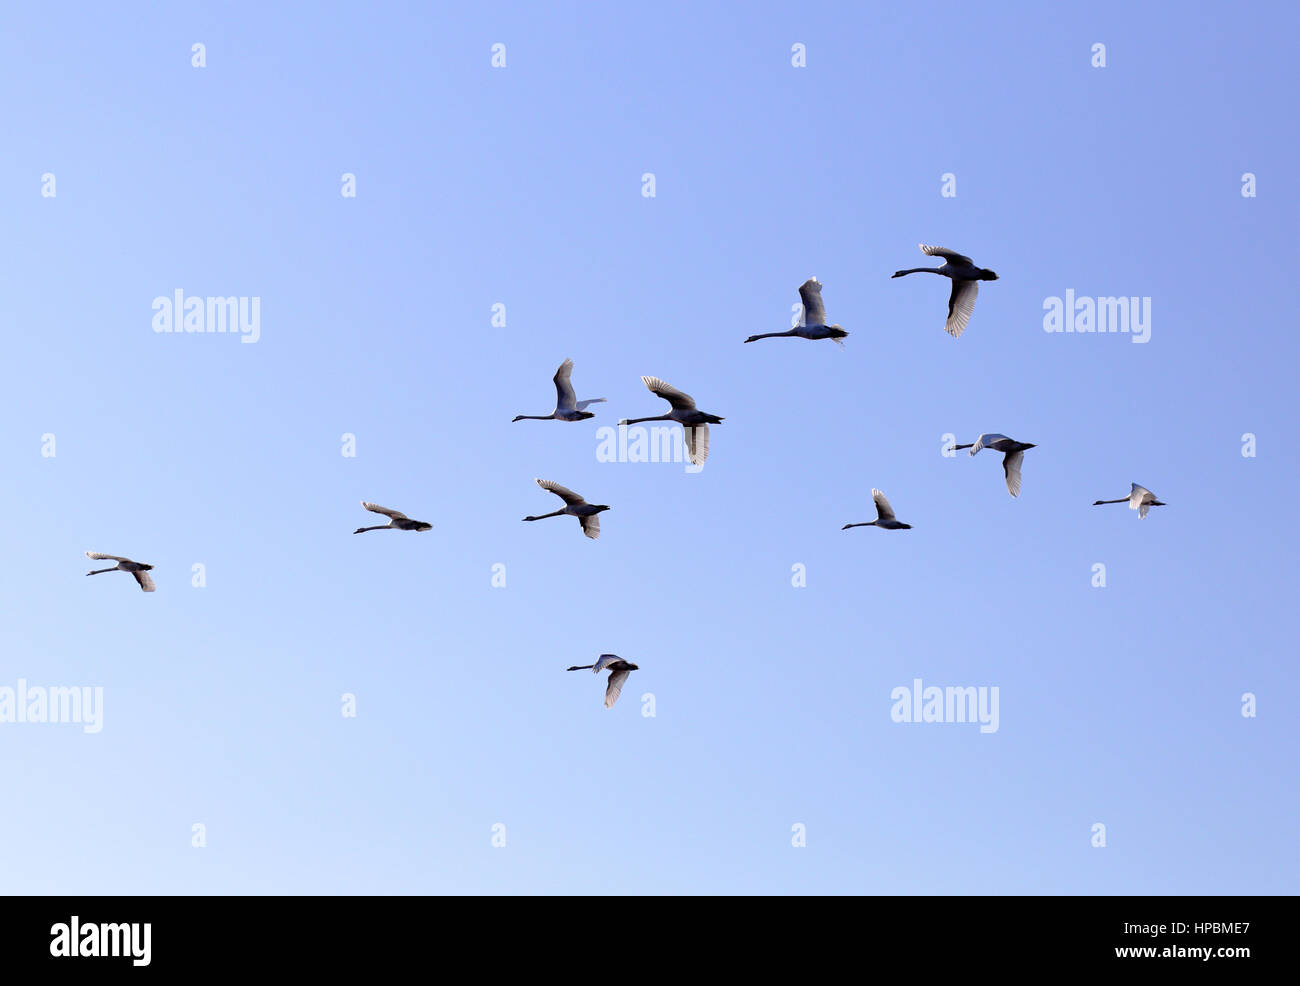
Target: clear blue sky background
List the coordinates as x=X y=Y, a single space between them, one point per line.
x=522 y=186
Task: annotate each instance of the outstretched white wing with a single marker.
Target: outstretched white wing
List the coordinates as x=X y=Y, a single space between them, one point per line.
x=810 y=293
x=615 y=687
x=946 y=254
x=565 y=398
x=883 y=510
x=564 y=493
x=1011 y=466
x=961 y=303
x=375 y=508
x=679 y=400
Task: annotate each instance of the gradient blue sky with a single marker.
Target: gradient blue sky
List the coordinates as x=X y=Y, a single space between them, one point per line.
x=522 y=186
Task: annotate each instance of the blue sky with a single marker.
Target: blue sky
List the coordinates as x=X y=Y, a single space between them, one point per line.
x=521 y=186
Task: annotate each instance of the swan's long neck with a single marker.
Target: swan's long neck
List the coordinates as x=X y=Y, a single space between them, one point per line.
x=869 y=523
x=919 y=270
x=101 y=571
x=776 y=335
x=556 y=513
x=581 y=667
x=659 y=417
x=377 y=527
x=535 y=417
x=1122 y=499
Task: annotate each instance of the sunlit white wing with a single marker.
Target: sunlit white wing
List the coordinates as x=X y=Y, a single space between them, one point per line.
x=565 y=398
x=697 y=444
x=604 y=661
x=1011 y=466
x=960 y=305
x=986 y=440
x=883 y=510
x=375 y=508
x=590 y=526
x=683 y=402
x=146 y=583
x=952 y=255
x=810 y=293
x=1142 y=510
x=1137 y=495
x=615 y=687
x=565 y=494
x=101 y=557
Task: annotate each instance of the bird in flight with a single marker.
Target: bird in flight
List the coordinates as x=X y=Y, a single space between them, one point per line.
x=574 y=506
x=397 y=521
x=884 y=516
x=694 y=421
x=966 y=279
x=813 y=324
x=567 y=405
x=618 y=670
x=137 y=568
x=1140 y=499
x=1013 y=455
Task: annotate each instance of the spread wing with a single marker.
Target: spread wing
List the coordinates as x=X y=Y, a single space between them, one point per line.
x=375 y=508
x=883 y=510
x=960 y=305
x=100 y=557
x=951 y=256
x=1011 y=466
x=604 y=661
x=565 y=398
x=146 y=583
x=615 y=687
x=565 y=494
x=682 y=402
x=590 y=526
x=810 y=293
x=697 y=444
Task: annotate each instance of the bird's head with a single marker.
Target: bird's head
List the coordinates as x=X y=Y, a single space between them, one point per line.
x=517 y=417
x=622 y=423
x=1098 y=503
x=988 y=275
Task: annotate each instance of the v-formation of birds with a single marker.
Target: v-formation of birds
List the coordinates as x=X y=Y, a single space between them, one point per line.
x=965 y=277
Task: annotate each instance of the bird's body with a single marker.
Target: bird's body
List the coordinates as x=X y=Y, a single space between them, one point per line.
x=813 y=324
x=567 y=405
x=1140 y=499
x=397 y=521
x=618 y=670
x=574 y=506
x=684 y=412
x=884 y=516
x=1013 y=455
x=137 y=568
x=965 y=278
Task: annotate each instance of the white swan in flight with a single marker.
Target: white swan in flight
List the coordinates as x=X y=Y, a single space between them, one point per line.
x=618 y=670
x=574 y=506
x=567 y=405
x=137 y=568
x=397 y=521
x=966 y=279
x=694 y=421
x=884 y=516
x=1012 y=457
x=813 y=324
x=1140 y=499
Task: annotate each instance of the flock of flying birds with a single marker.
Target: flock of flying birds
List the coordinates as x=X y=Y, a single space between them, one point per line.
x=965 y=277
